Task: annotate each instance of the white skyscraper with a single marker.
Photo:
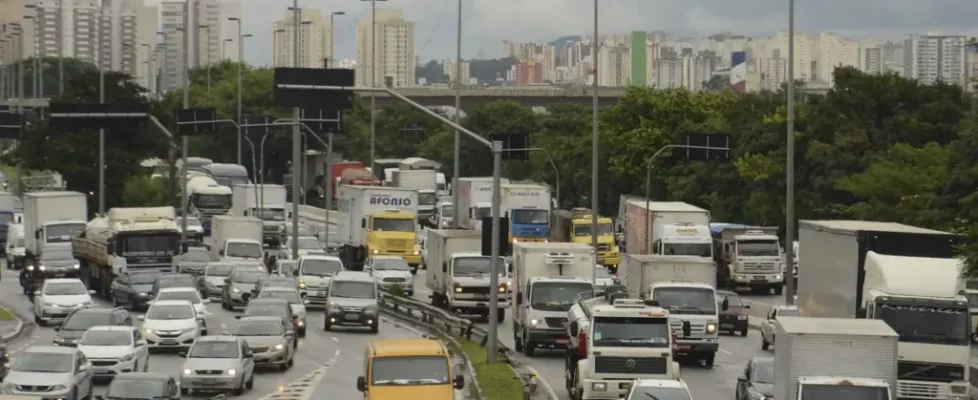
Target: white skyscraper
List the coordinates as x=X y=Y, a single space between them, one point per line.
x=930 y=58
x=207 y=44
x=313 y=39
x=394 y=41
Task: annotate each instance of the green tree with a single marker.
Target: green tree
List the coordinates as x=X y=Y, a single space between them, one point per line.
x=143 y=191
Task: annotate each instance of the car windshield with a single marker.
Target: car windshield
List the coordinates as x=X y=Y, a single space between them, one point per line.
x=243 y=250
x=321 y=267
x=84 y=319
x=57 y=255
x=758 y=248
x=409 y=371
x=143 y=278
x=558 y=296
x=309 y=243
x=602 y=273
x=63 y=233
x=136 y=389
x=266 y=310
x=259 y=328
x=686 y=300
x=189 y=295
x=170 y=312
x=219 y=270
x=631 y=332
x=288 y=295
x=214 y=349
x=247 y=276
x=391 y=264
x=763 y=371
x=353 y=290
x=44 y=362
x=732 y=300
x=476 y=266
x=65 y=289
x=104 y=337
x=196 y=255
x=660 y=393
x=176 y=281
x=393 y=225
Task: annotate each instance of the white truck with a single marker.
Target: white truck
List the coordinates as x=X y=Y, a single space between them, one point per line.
x=748 y=256
x=425 y=182
x=528 y=208
x=615 y=340
x=684 y=285
x=458 y=274
x=907 y=277
x=548 y=279
x=380 y=221
x=267 y=203
x=53 y=218
x=237 y=238
x=207 y=198
x=475 y=200
x=668 y=228
x=834 y=359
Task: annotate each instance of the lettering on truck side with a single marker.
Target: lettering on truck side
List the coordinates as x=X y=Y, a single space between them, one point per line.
x=389 y=201
x=525 y=193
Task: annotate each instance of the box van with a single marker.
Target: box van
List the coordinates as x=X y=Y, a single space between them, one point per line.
x=14 y=248
x=424 y=363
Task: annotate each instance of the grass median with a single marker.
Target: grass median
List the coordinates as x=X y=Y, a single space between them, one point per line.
x=497 y=379
x=6 y=315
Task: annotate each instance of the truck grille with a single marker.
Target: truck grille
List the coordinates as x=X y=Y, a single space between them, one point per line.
x=33 y=388
x=396 y=243
x=627 y=365
x=695 y=328
x=916 y=371
x=475 y=289
x=395 y=280
x=556 y=322
x=259 y=349
x=270 y=228
x=604 y=247
x=762 y=268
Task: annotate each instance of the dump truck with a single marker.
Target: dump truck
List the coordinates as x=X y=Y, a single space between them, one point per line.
x=574 y=226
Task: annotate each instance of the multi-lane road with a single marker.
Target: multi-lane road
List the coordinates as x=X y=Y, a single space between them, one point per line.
x=705 y=383
x=326 y=366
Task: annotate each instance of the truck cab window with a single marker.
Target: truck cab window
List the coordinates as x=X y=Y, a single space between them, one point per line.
x=243 y=250
x=475 y=266
x=758 y=248
x=556 y=296
x=684 y=300
x=392 y=225
x=59 y=233
x=530 y=217
x=631 y=332
x=927 y=324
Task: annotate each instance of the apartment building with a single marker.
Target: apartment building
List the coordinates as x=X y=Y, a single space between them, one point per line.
x=314 y=39
x=449 y=69
x=209 y=30
x=393 y=38
x=933 y=58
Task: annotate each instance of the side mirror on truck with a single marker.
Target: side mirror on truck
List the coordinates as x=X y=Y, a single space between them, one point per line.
x=574 y=328
x=37 y=234
x=363 y=222
x=725 y=305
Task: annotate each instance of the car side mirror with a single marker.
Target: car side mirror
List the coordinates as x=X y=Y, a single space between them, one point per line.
x=141 y=317
x=444 y=267
x=182 y=354
x=57 y=328
x=37 y=234
x=83 y=368
x=362 y=383
x=249 y=355
x=747 y=306
x=459 y=382
x=221 y=253
x=92 y=292
x=574 y=327
x=687 y=329
x=295 y=273
x=227 y=280
x=725 y=305
x=741 y=379
x=519 y=300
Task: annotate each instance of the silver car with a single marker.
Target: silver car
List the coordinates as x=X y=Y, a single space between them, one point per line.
x=58 y=298
x=218 y=364
x=391 y=271
x=50 y=372
x=267 y=338
x=352 y=301
x=211 y=281
x=192 y=262
x=296 y=302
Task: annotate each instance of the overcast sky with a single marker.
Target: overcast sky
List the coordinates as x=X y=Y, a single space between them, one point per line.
x=487 y=22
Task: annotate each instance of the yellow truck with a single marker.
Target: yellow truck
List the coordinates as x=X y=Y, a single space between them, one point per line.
x=380 y=221
x=397 y=369
x=575 y=226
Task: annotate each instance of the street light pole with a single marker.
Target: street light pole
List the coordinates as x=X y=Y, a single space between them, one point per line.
x=790 y=184
x=332 y=62
x=296 y=141
x=207 y=59
x=61 y=48
x=224 y=48
x=458 y=111
x=373 y=82
x=594 y=141
x=240 y=50
x=185 y=204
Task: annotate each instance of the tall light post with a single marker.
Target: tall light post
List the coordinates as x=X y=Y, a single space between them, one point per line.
x=790 y=184
x=296 y=139
x=207 y=59
x=61 y=47
x=458 y=111
x=185 y=67
x=594 y=140
x=332 y=63
x=373 y=82
x=224 y=48
x=18 y=33
x=240 y=50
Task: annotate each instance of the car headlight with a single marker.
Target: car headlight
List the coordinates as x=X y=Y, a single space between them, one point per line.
x=188 y=371
x=235 y=290
x=416 y=252
x=599 y=386
x=50 y=305
x=742 y=317
x=711 y=327
x=42 y=268
x=76 y=266
x=232 y=372
x=59 y=339
x=147 y=331
x=538 y=323
x=374 y=251
x=777 y=277
x=371 y=309
x=302 y=285
x=279 y=347
x=30 y=267
x=59 y=387
x=127 y=357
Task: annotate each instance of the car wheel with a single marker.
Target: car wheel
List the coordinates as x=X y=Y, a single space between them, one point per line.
x=251 y=382
x=743 y=332
x=375 y=328
x=764 y=344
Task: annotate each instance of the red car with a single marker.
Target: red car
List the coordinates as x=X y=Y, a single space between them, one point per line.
x=734 y=319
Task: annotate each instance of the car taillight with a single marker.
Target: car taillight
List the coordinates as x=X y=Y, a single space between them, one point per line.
x=582 y=345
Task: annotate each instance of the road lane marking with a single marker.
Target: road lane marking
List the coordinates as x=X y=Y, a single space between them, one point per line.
x=334 y=338
x=546 y=385
x=726 y=352
x=302 y=388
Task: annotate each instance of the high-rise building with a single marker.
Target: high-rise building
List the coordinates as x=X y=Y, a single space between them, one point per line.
x=527 y=72
x=393 y=38
x=449 y=69
x=313 y=39
x=933 y=58
x=206 y=44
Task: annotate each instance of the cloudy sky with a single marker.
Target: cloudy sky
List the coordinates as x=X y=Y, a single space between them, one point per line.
x=487 y=22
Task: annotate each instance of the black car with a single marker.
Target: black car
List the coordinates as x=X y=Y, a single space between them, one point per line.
x=757 y=382
x=193 y=261
x=269 y=307
x=734 y=318
x=142 y=386
x=239 y=286
x=274 y=281
x=58 y=262
x=132 y=289
x=164 y=281
x=78 y=322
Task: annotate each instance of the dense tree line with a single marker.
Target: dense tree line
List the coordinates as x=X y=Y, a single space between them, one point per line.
x=874 y=147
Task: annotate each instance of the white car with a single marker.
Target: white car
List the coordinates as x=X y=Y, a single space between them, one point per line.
x=604 y=279
x=49 y=372
x=58 y=298
x=170 y=324
x=191 y=295
x=662 y=389
x=767 y=326
x=115 y=350
x=389 y=271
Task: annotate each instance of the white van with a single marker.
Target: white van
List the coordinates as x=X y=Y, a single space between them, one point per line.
x=15 y=246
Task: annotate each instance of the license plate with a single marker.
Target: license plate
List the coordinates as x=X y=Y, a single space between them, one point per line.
x=206 y=381
x=681 y=347
x=759 y=279
x=561 y=341
x=726 y=325
x=319 y=294
x=100 y=370
x=168 y=342
x=352 y=317
x=59 y=275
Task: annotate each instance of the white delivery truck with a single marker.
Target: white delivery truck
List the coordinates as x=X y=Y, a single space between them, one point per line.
x=459 y=275
x=207 y=198
x=475 y=200
x=834 y=359
x=267 y=203
x=548 y=278
x=528 y=209
x=669 y=228
x=748 y=256
x=907 y=277
x=380 y=221
x=425 y=182
x=53 y=218
x=684 y=285
x=237 y=238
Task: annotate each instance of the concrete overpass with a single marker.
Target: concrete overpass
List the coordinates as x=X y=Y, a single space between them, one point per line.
x=527 y=96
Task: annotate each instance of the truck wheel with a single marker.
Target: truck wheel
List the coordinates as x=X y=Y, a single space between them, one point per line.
x=500 y=315
x=778 y=290
x=708 y=360
x=519 y=343
x=764 y=344
x=528 y=347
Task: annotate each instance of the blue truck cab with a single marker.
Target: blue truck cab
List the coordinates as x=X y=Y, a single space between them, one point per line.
x=528 y=225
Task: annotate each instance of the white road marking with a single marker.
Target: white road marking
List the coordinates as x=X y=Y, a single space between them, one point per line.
x=334 y=338
x=546 y=385
x=726 y=352
x=302 y=388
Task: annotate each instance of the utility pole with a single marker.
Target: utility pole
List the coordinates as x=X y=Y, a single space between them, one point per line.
x=240 y=50
x=207 y=28
x=789 y=235
x=373 y=83
x=61 y=47
x=458 y=111
x=296 y=141
x=185 y=205
x=594 y=141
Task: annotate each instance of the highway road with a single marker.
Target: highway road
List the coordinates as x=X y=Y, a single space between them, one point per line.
x=714 y=384
x=326 y=365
